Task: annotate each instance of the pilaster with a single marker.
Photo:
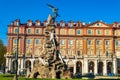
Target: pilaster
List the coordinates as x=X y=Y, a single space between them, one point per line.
x=105 y=68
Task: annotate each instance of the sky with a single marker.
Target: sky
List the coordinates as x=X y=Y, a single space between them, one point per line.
x=83 y=10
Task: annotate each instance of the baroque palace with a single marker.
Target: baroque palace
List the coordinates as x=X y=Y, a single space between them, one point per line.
x=93 y=47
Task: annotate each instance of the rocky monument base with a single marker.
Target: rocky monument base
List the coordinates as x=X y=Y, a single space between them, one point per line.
x=50 y=63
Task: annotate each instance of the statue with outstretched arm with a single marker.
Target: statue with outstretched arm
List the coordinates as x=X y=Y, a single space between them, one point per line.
x=55 y=10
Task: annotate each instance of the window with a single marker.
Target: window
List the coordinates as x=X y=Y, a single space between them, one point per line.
x=37 y=31
x=117 y=43
x=63 y=24
x=89 y=42
x=89 y=32
x=16 y=30
x=78 y=32
x=28 y=41
x=78 y=24
x=78 y=53
x=15 y=41
x=29 y=31
x=17 y=23
x=98 y=24
x=98 y=42
x=71 y=24
x=98 y=31
x=106 y=31
x=62 y=42
x=70 y=42
x=37 y=41
x=106 y=42
x=79 y=42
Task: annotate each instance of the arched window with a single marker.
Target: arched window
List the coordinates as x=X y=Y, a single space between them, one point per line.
x=29 y=31
x=15 y=41
x=37 y=41
x=107 y=42
x=28 y=41
x=16 y=30
x=89 y=42
x=98 y=42
x=37 y=31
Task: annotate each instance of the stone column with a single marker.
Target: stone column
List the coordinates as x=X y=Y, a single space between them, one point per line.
x=74 y=70
x=7 y=64
x=82 y=67
x=22 y=63
x=85 y=70
x=104 y=67
x=18 y=66
x=115 y=66
x=95 y=67
x=10 y=64
x=32 y=64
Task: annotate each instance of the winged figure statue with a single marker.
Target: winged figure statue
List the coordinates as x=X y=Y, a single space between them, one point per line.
x=55 y=10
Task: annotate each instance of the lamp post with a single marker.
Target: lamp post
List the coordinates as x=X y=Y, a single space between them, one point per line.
x=16 y=57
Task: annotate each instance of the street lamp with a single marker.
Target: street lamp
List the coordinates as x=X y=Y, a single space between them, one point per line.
x=16 y=57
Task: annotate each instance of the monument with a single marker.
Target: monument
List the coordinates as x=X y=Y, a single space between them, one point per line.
x=50 y=63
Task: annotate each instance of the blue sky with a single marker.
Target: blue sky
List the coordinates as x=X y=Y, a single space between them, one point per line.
x=83 y=10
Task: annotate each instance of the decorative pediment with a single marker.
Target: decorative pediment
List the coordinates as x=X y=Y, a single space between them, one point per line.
x=98 y=24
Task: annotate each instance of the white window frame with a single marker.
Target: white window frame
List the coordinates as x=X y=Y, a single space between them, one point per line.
x=62 y=42
x=98 y=42
x=28 y=41
x=37 y=30
x=37 y=41
x=29 y=31
x=117 y=42
x=16 y=29
x=89 y=42
x=89 y=31
x=98 y=32
x=70 y=42
x=78 y=31
x=107 y=42
x=15 y=41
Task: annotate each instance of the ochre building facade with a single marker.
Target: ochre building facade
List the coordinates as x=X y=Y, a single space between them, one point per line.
x=86 y=48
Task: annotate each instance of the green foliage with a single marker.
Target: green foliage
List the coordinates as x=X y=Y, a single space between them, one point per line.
x=3 y=51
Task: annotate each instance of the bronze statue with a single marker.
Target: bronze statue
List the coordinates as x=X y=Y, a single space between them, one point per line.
x=55 y=10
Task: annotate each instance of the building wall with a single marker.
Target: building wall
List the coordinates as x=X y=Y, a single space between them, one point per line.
x=76 y=39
